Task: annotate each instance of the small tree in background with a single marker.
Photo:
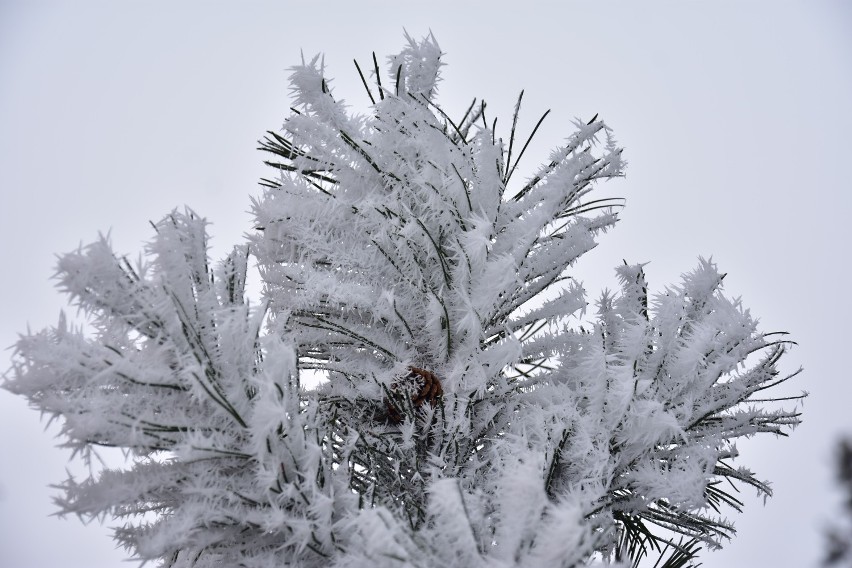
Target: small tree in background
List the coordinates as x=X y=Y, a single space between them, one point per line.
x=839 y=536
x=469 y=414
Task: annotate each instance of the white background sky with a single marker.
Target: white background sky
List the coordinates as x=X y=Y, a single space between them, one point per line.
x=735 y=118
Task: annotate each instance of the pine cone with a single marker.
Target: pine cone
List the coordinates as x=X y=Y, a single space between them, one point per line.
x=420 y=386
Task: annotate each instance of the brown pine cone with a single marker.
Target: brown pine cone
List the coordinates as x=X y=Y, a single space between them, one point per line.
x=426 y=385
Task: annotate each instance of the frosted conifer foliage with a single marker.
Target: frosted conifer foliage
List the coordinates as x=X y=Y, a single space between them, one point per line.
x=469 y=413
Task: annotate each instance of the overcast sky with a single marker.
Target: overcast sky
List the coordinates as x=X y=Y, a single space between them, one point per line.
x=735 y=118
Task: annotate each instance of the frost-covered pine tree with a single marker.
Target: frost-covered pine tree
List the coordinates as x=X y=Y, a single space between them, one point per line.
x=420 y=385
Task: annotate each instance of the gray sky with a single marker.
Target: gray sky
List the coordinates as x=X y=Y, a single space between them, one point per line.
x=735 y=118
